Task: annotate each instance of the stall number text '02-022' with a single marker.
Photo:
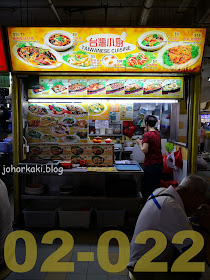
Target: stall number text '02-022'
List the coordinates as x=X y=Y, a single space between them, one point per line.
x=144 y=264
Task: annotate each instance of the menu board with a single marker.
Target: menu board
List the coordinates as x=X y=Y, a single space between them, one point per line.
x=108 y=87
x=102 y=49
x=57 y=123
x=3 y=64
x=93 y=154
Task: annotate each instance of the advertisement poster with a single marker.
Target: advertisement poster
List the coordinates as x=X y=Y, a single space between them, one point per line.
x=114 y=112
x=75 y=49
x=3 y=63
x=108 y=87
x=126 y=112
x=57 y=123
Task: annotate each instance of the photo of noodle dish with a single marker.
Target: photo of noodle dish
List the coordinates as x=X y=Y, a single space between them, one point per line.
x=48 y=121
x=96 y=108
x=79 y=60
x=37 y=55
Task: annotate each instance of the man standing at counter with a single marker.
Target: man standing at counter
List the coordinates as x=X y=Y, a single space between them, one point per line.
x=153 y=162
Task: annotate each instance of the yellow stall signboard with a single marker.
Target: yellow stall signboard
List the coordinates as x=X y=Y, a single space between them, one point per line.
x=108 y=87
x=74 y=49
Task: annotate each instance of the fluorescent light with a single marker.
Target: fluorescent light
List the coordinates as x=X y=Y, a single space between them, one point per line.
x=209 y=79
x=116 y=100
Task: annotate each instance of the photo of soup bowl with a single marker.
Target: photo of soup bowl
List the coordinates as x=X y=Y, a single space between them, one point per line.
x=152 y=40
x=59 y=40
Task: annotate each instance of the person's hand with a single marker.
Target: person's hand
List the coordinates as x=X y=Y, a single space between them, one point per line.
x=138 y=142
x=203 y=212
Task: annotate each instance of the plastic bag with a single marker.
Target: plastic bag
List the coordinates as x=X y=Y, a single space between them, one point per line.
x=166 y=169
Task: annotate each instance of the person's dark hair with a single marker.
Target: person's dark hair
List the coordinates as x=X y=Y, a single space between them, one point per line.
x=202 y=124
x=150 y=120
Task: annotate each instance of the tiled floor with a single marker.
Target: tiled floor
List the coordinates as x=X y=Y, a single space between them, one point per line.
x=84 y=241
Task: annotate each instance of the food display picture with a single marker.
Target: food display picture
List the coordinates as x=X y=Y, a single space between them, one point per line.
x=43 y=90
x=92 y=154
x=133 y=87
x=96 y=87
x=77 y=87
x=57 y=123
x=171 y=87
x=98 y=111
x=108 y=87
x=115 y=87
x=152 y=87
x=59 y=87
x=107 y=49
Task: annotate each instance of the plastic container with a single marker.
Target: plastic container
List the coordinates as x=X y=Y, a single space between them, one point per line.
x=109 y=130
x=74 y=218
x=107 y=218
x=40 y=218
x=66 y=164
x=3 y=147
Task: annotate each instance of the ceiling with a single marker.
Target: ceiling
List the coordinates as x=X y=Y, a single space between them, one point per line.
x=182 y=13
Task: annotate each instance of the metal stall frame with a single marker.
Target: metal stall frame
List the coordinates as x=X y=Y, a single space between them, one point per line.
x=17 y=125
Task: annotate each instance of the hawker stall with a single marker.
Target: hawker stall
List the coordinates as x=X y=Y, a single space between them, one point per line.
x=81 y=98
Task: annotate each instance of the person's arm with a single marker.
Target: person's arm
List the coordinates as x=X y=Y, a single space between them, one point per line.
x=144 y=147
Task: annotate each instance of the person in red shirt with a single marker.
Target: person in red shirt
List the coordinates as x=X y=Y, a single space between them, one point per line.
x=153 y=162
